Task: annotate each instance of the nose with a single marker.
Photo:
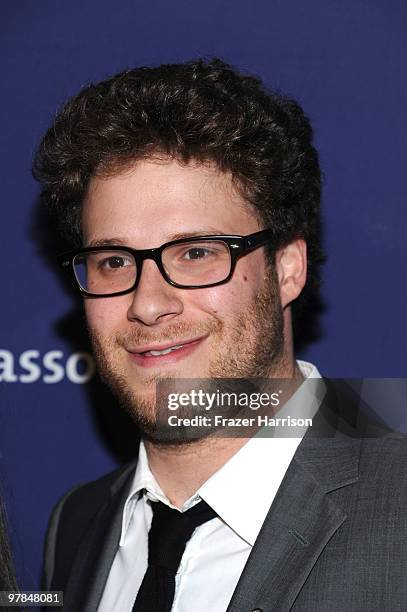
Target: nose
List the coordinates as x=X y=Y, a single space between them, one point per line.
x=154 y=301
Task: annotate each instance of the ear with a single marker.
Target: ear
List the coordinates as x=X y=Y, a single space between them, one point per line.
x=291 y=267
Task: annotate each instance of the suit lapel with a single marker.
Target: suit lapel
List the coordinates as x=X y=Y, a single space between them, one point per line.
x=299 y=524
x=97 y=550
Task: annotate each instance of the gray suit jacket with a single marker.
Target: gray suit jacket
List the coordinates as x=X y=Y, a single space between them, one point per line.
x=334 y=539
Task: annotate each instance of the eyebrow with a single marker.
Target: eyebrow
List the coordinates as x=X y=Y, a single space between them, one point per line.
x=208 y=231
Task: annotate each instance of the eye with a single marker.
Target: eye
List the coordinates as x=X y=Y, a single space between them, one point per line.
x=115 y=262
x=197 y=253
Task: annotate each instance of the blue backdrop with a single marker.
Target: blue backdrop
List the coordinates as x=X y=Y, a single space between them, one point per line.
x=345 y=62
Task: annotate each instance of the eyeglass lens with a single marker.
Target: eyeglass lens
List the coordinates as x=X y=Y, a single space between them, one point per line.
x=189 y=264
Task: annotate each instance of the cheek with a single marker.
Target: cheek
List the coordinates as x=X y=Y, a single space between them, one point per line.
x=102 y=317
x=233 y=297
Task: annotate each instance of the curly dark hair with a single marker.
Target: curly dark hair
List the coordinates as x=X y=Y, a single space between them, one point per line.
x=199 y=110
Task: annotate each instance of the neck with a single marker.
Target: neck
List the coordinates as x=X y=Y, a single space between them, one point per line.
x=180 y=469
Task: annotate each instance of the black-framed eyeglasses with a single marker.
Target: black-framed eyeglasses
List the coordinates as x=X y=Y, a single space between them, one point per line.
x=187 y=263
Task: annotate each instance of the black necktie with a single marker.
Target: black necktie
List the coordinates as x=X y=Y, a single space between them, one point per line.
x=169 y=532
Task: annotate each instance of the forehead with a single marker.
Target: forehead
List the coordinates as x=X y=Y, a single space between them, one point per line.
x=161 y=199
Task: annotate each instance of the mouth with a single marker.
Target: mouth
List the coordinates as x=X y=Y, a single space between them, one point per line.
x=149 y=356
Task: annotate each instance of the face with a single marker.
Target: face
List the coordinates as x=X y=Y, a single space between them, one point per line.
x=232 y=330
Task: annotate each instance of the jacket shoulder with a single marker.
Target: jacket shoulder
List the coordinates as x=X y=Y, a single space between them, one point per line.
x=73 y=515
x=385 y=459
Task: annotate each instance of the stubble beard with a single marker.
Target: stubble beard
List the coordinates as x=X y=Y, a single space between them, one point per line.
x=250 y=349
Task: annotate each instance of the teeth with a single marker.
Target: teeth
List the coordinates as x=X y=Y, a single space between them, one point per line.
x=154 y=353
x=164 y=352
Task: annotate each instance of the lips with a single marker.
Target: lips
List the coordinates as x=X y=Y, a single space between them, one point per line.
x=148 y=356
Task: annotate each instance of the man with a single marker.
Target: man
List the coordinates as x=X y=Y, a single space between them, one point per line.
x=191 y=196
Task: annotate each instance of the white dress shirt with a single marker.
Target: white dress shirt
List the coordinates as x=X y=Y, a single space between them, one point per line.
x=241 y=493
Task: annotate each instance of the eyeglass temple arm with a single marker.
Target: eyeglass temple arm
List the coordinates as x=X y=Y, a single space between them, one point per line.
x=259 y=239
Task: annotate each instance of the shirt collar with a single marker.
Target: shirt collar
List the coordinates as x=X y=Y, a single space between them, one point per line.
x=143 y=481
x=242 y=491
